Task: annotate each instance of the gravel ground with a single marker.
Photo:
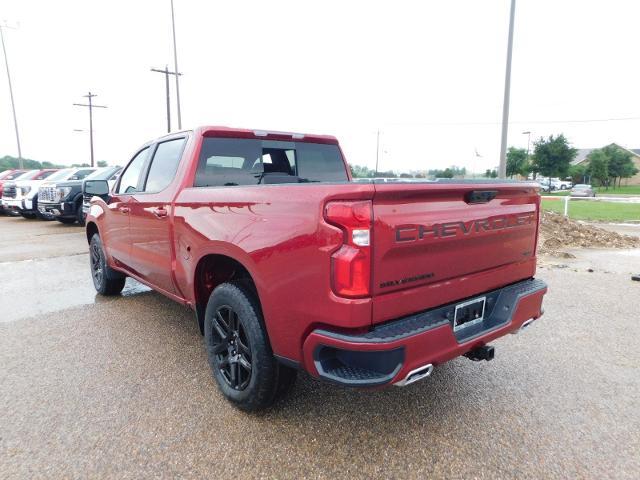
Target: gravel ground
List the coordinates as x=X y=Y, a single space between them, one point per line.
x=121 y=389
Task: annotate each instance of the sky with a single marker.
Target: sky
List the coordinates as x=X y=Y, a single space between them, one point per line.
x=428 y=74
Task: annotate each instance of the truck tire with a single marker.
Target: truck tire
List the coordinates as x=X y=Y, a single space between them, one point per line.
x=240 y=356
x=66 y=220
x=105 y=280
x=79 y=213
x=30 y=216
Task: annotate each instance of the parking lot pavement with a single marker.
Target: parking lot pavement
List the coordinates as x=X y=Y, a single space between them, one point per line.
x=120 y=388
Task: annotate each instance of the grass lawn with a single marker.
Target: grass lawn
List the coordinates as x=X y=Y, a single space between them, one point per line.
x=589 y=210
x=624 y=189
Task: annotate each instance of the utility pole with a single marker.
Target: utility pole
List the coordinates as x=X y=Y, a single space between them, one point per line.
x=502 y=172
x=377 y=151
x=13 y=104
x=91 y=106
x=166 y=82
x=175 y=66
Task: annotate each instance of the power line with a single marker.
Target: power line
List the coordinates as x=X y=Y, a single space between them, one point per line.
x=175 y=66
x=166 y=81
x=13 y=105
x=517 y=122
x=502 y=168
x=91 y=106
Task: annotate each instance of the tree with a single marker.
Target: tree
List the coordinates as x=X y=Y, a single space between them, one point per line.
x=491 y=173
x=449 y=172
x=102 y=163
x=620 y=163
x=577 y=173
x=517 y=162
x=8 y=162
x=629 y=170
x=552 y=157
x=598 y=166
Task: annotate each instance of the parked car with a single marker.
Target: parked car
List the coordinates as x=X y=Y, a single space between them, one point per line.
x=7 y=176
x=62 y=200
x=289 y=265
x=22 y=195
x=582 y=190
x=110 y=174
x=17 y=195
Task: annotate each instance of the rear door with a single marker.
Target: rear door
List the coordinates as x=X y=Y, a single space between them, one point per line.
x=448 y=233
x=151 y=255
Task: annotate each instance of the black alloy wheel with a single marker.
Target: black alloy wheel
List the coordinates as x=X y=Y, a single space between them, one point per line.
x=232 y=348
x=96 y=264
x=105 y=280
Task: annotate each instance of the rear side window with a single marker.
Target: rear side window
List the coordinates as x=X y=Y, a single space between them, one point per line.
x=164 y=165
x=131 y=176
x=231 y=162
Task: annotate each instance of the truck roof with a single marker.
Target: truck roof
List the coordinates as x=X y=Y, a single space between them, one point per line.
x=231 y=132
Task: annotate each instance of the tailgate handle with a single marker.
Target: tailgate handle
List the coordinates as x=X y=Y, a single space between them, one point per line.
x=480 y=196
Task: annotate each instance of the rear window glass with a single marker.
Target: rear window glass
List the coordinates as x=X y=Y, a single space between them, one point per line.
x=232 y=162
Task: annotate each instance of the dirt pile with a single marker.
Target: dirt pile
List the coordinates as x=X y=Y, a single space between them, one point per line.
x=558 y=232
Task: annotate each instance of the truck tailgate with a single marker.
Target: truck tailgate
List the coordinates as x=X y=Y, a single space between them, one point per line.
x=439 y=242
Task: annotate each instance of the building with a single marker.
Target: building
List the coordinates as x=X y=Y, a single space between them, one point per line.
x=583 y=153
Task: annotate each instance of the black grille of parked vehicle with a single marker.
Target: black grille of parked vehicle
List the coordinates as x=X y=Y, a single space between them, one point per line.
x=47 y=194
x=86 y=198
x=9 y=191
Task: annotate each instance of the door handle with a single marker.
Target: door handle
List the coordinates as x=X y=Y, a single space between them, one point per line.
x=124 y=210
x=160 y=212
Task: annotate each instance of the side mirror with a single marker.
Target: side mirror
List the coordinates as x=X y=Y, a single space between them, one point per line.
x=96 y=187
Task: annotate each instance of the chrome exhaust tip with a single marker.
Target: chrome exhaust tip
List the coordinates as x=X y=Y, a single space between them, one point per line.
x=415 y=375
x=523 y=326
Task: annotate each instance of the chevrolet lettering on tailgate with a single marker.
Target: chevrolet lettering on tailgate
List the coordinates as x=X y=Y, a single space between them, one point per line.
x=412 y=233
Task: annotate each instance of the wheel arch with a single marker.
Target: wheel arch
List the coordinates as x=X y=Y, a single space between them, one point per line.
x=214 y=269
x=91 y=229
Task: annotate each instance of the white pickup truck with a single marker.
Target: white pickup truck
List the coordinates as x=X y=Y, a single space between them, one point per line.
x=561 y=184
x=20 y=197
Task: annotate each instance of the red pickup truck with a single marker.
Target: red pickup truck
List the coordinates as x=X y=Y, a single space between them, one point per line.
x=289 y=264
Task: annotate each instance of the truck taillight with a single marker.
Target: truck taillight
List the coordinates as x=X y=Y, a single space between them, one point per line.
x=351 y=263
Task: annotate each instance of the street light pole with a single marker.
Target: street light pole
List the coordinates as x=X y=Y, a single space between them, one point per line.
x=528 y=141
x=166 y=83
x=175 y=66
x=91 y=106
x=507 y=90
x=13 y=105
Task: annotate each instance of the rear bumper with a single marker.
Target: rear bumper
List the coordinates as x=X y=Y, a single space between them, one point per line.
x=389 y=352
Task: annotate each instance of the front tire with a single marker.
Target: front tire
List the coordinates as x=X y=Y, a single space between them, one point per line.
x=79 y=213
x=66 y=220
x=239 y=352
x=105 y=280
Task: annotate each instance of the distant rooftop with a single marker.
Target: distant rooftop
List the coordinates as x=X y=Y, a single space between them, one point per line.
x=583 y=153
